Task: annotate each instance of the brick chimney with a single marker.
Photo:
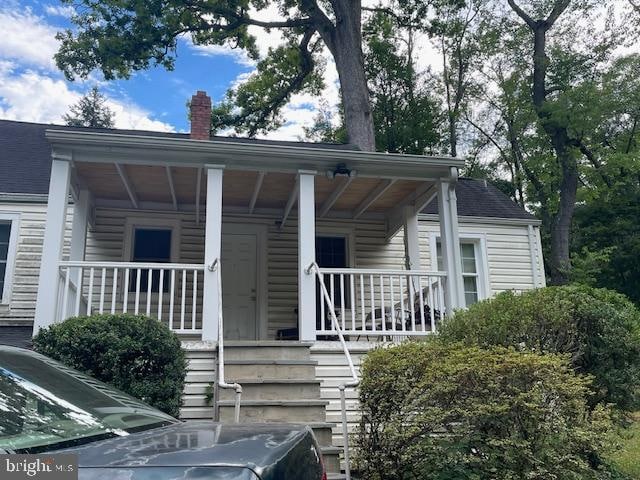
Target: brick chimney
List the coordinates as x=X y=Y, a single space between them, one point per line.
x=200 y=116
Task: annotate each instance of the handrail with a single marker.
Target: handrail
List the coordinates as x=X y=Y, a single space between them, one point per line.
x=314 y=268
x=132 y=265
x=379 y=271
x=215 y=266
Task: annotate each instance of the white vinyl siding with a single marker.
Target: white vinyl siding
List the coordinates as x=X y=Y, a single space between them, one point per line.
x=28 y=225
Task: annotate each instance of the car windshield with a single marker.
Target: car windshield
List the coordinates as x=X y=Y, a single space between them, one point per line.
x=45 y=405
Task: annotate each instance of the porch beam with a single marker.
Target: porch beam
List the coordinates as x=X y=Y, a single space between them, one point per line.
x=56 y=219
x=198 y=188
x=306 y=255
x=374 y=195
x=335 y=195
x=127 y=184
x=172 y=187
x=212 y=252
x=450 y=242
x=292 y=200
x=256 y=191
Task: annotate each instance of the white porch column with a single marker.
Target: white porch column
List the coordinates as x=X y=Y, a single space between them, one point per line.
x=48 y=281
x=212 y=251
x=412 y=243
x=411 y=238
x=306 y=255
x=450 y=242
x=81 y=210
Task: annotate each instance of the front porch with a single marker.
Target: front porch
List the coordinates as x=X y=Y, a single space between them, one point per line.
x=153 y=218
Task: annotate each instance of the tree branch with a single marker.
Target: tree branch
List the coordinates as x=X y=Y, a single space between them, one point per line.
x=558 y=9
x=522 y=14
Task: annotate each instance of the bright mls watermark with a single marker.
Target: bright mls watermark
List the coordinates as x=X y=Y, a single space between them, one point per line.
x=49 y=467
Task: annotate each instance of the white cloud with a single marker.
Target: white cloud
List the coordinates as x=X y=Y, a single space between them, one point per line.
x=35 y=97
x=27 y=38
x=66 y=11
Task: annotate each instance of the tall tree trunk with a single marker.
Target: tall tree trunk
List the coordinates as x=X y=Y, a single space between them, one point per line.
x=344 y=41
x=563 y=144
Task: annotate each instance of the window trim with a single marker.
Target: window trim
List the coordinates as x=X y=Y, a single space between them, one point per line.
x=479 y=242
x=159 y=223
x=14 y=219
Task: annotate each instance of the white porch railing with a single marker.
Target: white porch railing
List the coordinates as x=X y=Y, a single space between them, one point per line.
x=171 y=292
x=383 y=302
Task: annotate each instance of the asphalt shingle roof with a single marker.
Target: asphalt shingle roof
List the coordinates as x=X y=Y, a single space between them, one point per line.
x=478 y=198
x=25 y=166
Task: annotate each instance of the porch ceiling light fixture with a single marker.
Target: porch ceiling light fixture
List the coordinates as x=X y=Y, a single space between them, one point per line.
x=341 y=170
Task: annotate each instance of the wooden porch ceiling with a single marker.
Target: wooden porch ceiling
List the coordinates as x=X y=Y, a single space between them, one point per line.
x=173 y=187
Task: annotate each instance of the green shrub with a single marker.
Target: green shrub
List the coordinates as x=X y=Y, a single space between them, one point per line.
x=598 y=328
x=135 y=354
x=438 y=411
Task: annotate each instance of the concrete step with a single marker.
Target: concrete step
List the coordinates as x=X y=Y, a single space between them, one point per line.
x=266 y=350
x=337 y=476
x=274 y=389
x=331 y=458
x=323 y=432
x=279 y=369
x=287 y=411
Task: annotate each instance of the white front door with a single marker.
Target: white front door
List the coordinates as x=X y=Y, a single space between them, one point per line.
x=239 y=285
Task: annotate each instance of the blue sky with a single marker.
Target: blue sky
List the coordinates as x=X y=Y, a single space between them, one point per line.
x=32 y=89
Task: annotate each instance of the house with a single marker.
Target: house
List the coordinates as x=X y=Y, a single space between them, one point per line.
x=97 y=220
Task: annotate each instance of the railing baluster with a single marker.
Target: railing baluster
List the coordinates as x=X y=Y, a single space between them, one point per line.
x=195 y=298
x=432 y=305
x=65 y=294
x=114 y=290
x=342 y=315
x=102 y=285
x=160 y=292
x=441 y=298
x=352 y=303
x=184 y=294
x=125 y=301
x=90 y=292
x=421 y=296
x=412 y=296
x=393 y=303
x=362 y=306
x=78 y=291
x=137 y=305
x=171 y=296
x=149 y=281
x=383 y=315
x=373 y=303
x=402 y=310
x=323 y=325
x=333 y=300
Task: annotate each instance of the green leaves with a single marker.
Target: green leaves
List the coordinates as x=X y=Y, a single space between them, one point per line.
x=136 y=354
x=442 y=411
x=90 y=111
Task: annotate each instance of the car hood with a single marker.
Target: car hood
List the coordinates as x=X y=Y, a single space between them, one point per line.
x=255 y=446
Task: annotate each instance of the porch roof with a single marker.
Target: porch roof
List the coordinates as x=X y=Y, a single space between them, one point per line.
x=100 y=147
x=159 y=171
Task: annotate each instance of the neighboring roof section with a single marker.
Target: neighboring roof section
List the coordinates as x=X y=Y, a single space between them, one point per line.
x=25 y=153
x=479 y=198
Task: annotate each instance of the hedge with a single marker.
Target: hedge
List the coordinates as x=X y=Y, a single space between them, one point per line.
x=598 y=328
x=134 y=353
x=437 y=411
